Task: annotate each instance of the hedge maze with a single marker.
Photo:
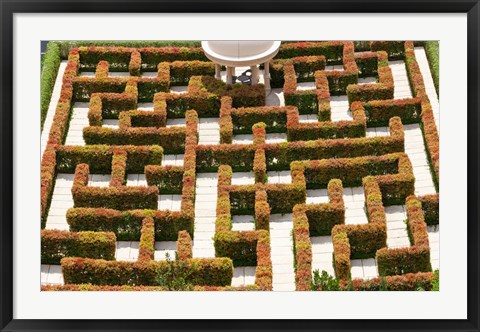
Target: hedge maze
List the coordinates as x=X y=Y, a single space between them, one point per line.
x=336 y=169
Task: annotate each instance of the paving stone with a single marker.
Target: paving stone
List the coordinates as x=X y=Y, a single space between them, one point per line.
x=307 y=118
x=240 y=178
x=275 y=138
x=162 y=248
x=145 y=106
x=306 y=86
x=178 y=89
x=321 y=244
x=127 y=251
x=243 y=223
x=176 y=122
x=275 y=98
x=316 y=196
x=242 y=139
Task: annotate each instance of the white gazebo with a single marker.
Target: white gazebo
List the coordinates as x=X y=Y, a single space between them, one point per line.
x=239 y=53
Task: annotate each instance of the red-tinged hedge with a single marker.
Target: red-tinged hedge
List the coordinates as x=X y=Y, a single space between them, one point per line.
x=373 y=201
x=108 y=105
x=274 y=117
x=332 y=50
x=323 y=96
x=368 y=92
x=128 y=119
x=119 y=165
x=175 y=105
x=184 y=246
x=121 y=198
x=350 y=171
x=406 y=282
x=262 y=210
x=379 y=112
x=242 y=199
x=338 y=81
x=94 y=288
x=117 y=57
x=247 y=95
x=84 y=87
x=280 y=155
x=297 y=131
x=263 y=272
x=181 y=71
x=102 y=70
x=395 y=188
x=135 y=63
x=225 y=120
x=305 y=68
x=47 y=172
x=341 y=255
x=430 y=134
x=172 y=139
x=415 y=258
x=99 y=157
x=240 y=246
x=394 y=49
x=367 y=63
x=417 y=227
x=260 y=166
x=206 y=271
x=403 y=260
x=430 y=207
x=168 y=179
x=57 y=244
x=302 y=250
x=239 y=157
x=306 y=101
x=283 y=197
x=259 y=133
x=323 y=217
x=127 y=224
x=365 y=239
x=204 y=85
x=151 y=56
x=146 y=247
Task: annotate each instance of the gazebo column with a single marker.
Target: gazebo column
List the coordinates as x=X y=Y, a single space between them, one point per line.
x=230 y=71
x=218 y=69
x=266 y=75
x=254 y=78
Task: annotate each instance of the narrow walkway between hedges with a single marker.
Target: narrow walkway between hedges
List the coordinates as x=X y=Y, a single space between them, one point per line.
x=322 y=254
x=78 y=121
x=429 y=85
x=208 y=131
x=57 y=88
x=281 y=243
x=205 y=212
x=434 y=241
x=397 y=235
x=400 y=80
x=415 y=149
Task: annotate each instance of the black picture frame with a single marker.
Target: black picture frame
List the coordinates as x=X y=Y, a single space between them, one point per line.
x=10 y=7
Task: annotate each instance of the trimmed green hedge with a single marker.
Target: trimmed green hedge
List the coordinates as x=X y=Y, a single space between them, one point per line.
x=432 y=49
x=66 y=46
x=57 y=244
x=50 y=65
